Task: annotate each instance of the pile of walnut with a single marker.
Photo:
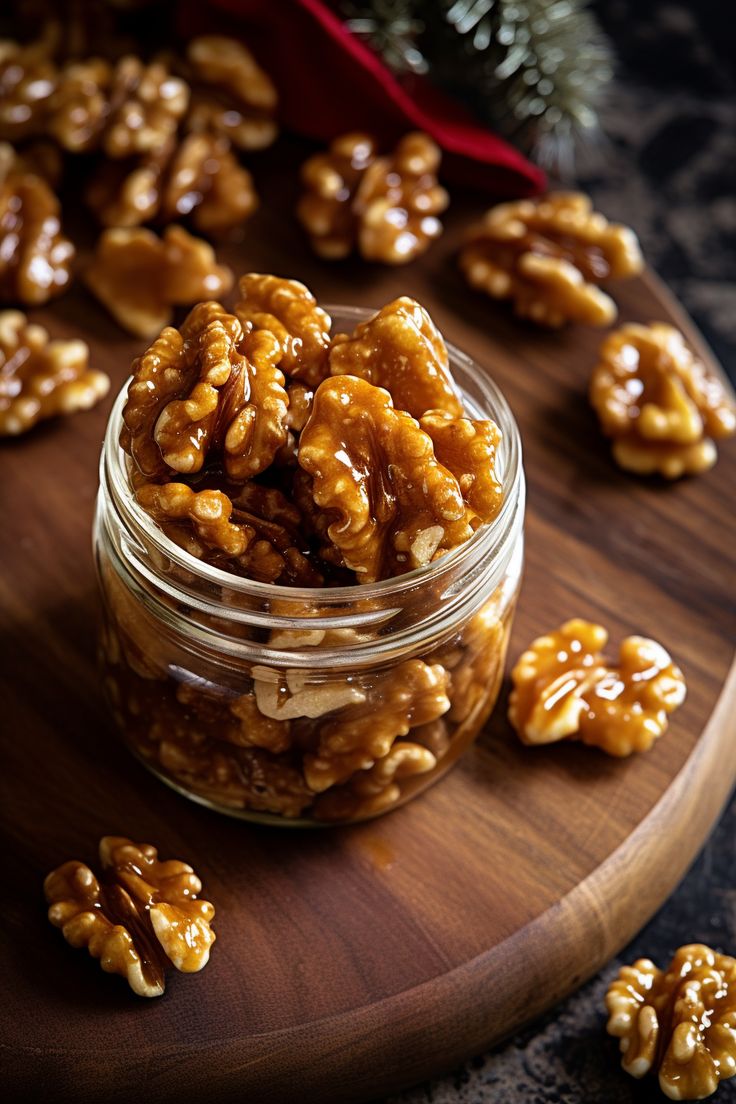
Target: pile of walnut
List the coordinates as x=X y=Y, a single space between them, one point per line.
x=679 y=1024
x=266 y=446
x=141 y=916
x=563 y=688
x=385 y=207
x=164 y=136
x=549 y=256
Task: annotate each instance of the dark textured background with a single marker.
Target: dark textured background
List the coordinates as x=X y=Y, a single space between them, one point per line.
x=668 y=169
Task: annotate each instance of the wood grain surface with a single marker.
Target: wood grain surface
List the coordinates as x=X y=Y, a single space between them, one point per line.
x=351 y=962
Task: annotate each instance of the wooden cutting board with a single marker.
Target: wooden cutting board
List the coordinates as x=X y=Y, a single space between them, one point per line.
x=350 y=962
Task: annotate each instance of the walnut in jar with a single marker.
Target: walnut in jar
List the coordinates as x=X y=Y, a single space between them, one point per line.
x=656 y=400
x=140 y=916
x=565 y=689
x=385 y=207
x=35 y=257
x=207 y=389
x=402 y=350
x=41 y=378
x=392 y=506
x=548 y=257
x=679 y=1023
x=140 y=277
x=288 y=310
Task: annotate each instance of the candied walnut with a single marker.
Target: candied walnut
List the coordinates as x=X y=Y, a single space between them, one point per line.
x=680 y=1024
x=393 y=506
x=289 y=310
x=140 y=277
x=232 y=95
x=27 y=80
x=655 y=398
x=206 y=389
x=387 y=207
x=35 y=257
x=331 y=179
x=203 y=180
x=401 y=349
x=371 y=791
x=239 y=721
x=412 y=694
x=125 y=108
x=398 y=200
x=196 y=178
x=180 y=511
x=548 y=256
x=301 y=397
x=140 y=916
x=296 y=694
x=469 y=450
x=563 y=687
x=41 y=378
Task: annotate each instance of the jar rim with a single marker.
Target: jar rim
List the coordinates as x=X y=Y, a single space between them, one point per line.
x=114 y=472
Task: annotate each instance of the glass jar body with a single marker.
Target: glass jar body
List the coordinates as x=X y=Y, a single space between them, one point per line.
x=312 y=706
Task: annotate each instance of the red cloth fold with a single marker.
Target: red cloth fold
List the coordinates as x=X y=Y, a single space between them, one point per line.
x=329 y=82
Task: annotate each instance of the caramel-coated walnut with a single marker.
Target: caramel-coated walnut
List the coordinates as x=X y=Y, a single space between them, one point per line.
x=658 y=402
x=564 y=688
x=289 y=311
x=27 y=80
x=401 y=349
x=208 y=389
x=124 y=109
x=140 y=277
x=41 y=378
x=398 y=200
x=331 y=179
x=680 y=1024
x=548 y=256
x=411 y=695
x=392 y=506
x=232 y=96
x=386 y=207
x=197 y=178
x=35 y=257
x=469 y=449
x=372 y=791
x=196 y=520
x=140 y=916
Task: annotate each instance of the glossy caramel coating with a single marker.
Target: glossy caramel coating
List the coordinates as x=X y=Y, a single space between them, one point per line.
x=374 y=471
x=140 y=916
x=565 y=689
x=385 y=207
x=401 y=350
x=469 y=449
x=289 y=311
x=42 y=378
x=548 y=257
x=28 y=78
x=140 y=277
x=658 y=403
x=123 y=109
x=679 y=1024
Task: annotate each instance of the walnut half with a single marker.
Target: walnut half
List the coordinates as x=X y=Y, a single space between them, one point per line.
x=564 y=688
x=658 y=403
x=680 y=1024
x=141 y=915
x=548 y=257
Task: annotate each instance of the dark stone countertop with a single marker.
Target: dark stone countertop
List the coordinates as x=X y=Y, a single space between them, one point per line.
x=669 y=170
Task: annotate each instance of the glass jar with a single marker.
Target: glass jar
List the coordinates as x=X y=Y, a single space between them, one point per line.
x=304 y=706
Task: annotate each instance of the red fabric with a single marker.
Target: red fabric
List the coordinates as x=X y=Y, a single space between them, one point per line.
x=329 y=82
